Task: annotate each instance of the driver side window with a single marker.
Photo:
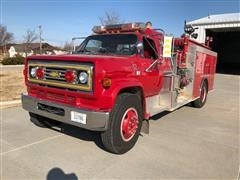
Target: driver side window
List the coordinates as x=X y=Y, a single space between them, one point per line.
x=149 y=48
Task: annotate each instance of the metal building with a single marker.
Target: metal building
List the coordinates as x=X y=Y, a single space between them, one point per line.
x=225 y=31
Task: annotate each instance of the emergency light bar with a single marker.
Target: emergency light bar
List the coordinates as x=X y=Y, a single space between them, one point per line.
x=119 y=27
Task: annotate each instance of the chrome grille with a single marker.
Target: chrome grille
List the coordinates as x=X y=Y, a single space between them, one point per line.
x=55 y=74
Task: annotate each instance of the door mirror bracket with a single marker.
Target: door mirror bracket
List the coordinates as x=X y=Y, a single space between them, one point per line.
x=157 y=61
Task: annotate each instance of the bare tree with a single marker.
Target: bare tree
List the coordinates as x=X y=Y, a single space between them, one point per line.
x=5 y=37
x=68 y=46
x=29 y=37
x=110 y=18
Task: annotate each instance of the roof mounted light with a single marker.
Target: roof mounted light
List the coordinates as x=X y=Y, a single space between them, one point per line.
x=119 y=27
x=98 y=29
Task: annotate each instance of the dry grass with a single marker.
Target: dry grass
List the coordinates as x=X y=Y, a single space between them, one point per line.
x=12 y=85
x=2 y=56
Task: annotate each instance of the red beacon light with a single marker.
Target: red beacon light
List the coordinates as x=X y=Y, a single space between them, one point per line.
x=70 y=76
x=39 y=73
x=118 y=28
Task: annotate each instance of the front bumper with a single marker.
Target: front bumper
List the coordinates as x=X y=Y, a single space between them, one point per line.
x=96 y=121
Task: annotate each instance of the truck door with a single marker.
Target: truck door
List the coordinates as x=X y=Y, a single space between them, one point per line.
x=152 y=78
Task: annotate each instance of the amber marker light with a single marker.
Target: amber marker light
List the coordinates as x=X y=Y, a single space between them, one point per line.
x=106 y=83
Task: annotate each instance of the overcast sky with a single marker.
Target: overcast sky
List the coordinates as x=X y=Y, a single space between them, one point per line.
x=62 y=20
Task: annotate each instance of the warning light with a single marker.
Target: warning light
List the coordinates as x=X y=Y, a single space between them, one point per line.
x=118 y=27
x=40 y=73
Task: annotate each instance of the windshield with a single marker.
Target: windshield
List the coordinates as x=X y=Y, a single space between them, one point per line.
x=119 y=44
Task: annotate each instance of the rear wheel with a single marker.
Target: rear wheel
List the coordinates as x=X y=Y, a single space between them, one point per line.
x=203 y=96
x=124 y=124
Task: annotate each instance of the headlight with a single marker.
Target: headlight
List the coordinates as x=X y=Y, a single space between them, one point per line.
x=33 y=72
x=83 y=77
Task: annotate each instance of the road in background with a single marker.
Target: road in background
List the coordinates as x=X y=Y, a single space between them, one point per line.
x=187 y=143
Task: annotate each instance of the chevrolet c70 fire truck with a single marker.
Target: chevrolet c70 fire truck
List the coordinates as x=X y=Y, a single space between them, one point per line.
x=117 y=79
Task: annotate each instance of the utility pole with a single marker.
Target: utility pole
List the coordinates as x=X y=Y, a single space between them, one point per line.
x=40 y=38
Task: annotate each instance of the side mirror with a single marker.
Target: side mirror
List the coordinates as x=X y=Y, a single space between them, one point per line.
x=139 y=47
x=189 y=29
x=194 y=35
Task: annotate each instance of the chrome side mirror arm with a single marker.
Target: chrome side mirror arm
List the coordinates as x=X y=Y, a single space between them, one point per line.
x=157 y=61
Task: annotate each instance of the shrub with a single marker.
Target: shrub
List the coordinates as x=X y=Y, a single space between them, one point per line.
x=13 y=60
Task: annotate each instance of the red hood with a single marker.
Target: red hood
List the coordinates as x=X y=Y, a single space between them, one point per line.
x=77 y=57
x=107 y=65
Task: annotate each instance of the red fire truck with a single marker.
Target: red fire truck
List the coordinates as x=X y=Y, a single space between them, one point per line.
x=117 y=79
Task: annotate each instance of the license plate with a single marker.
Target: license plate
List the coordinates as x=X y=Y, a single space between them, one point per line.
x=78 y=117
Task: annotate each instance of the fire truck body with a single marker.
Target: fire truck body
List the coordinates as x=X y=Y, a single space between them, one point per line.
x=193 y=64
x=118 y=78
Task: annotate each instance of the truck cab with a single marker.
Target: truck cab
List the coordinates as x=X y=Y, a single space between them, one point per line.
x=117 y=78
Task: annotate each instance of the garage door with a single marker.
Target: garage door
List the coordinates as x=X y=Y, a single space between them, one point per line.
x=226 y=44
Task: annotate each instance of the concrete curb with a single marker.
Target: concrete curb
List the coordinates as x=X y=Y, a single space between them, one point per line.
x=8 y=104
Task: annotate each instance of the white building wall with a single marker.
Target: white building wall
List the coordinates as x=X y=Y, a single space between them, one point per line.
x=202 y=29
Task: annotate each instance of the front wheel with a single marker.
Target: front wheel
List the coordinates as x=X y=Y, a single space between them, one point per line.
x=203 y=96
x=124 y=124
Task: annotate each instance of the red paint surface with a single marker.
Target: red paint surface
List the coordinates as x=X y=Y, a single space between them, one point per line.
x=205 y=69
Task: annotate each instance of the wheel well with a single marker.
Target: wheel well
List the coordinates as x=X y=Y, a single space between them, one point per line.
x=134 y=90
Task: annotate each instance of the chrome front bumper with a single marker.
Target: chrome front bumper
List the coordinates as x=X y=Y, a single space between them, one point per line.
x=96 y=121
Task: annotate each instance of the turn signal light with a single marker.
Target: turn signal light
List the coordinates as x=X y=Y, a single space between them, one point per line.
x=106 y=83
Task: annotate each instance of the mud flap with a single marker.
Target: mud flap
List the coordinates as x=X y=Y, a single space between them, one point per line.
x=145 y=126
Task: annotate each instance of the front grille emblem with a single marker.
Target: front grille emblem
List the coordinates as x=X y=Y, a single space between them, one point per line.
x=54 y=74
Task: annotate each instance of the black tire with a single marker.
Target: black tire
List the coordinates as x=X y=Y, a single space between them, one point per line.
x=200 y=102
x=37 y=120
x=116 y=139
